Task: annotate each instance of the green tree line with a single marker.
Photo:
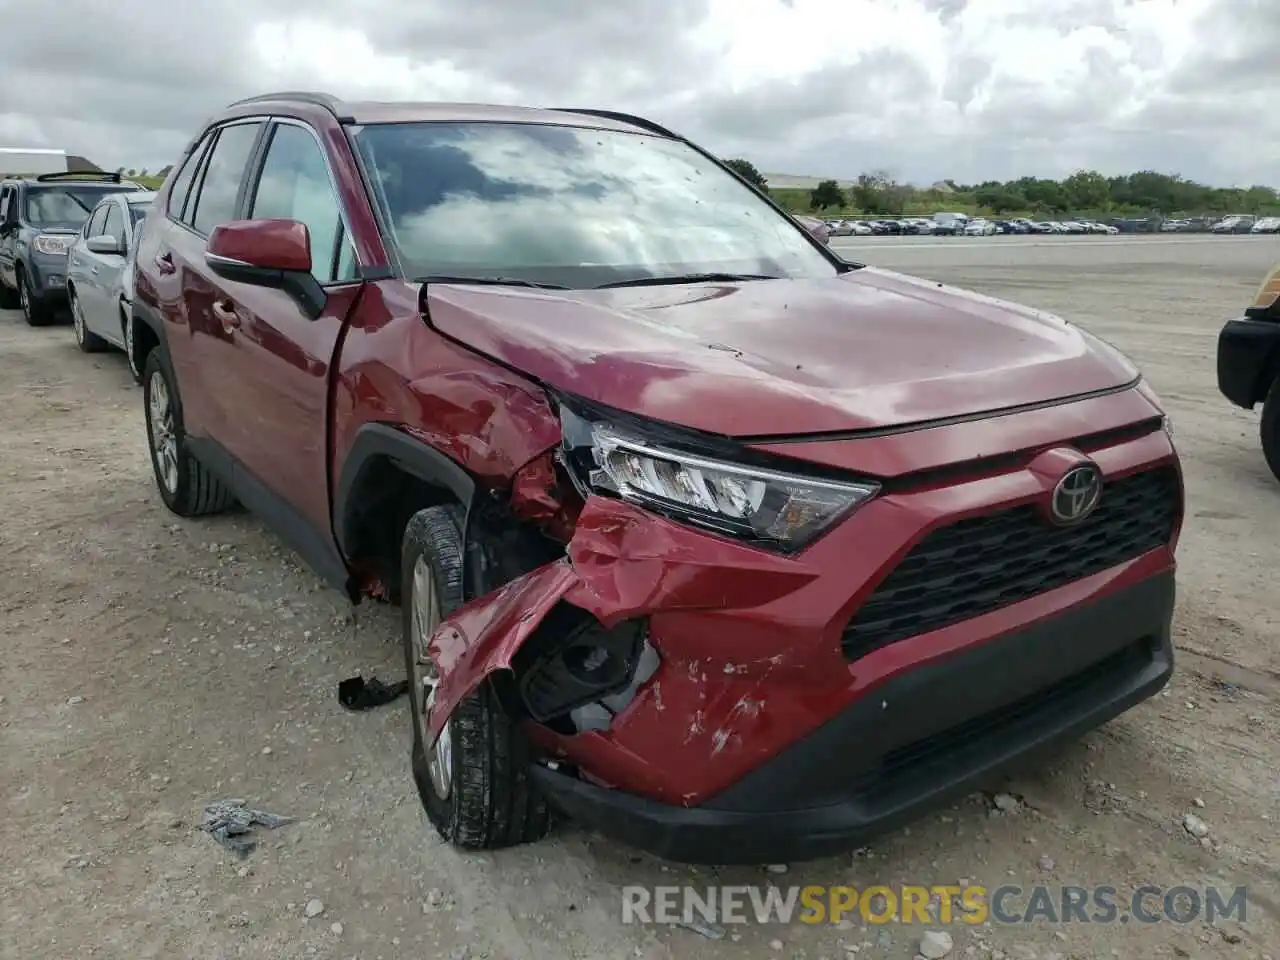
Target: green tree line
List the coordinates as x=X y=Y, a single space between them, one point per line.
x=1144 y=193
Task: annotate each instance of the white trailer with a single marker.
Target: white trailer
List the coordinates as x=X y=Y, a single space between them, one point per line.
x=31 y=161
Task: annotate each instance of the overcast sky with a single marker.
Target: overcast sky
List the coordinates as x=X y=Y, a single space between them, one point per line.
x=969 y=89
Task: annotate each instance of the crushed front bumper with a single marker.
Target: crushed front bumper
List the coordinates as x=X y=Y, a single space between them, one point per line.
x=791 y=712
x=922 y=738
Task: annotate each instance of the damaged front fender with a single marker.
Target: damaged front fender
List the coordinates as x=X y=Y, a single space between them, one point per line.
x=622 y=563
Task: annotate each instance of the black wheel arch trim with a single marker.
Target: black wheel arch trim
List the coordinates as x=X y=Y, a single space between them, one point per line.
x=144 y=312
x=376 y=441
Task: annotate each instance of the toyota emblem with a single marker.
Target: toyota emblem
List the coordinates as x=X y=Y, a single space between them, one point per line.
x=1076 y=494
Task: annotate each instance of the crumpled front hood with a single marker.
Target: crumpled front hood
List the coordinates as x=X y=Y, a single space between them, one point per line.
x=867 y=350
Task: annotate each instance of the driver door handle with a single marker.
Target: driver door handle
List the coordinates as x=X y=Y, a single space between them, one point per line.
x=225 y=311
x=164 y=263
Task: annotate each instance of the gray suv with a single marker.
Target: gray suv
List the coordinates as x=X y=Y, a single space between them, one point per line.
x=39 y=220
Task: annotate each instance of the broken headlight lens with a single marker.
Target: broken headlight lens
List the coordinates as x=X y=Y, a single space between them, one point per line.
x=774 y=508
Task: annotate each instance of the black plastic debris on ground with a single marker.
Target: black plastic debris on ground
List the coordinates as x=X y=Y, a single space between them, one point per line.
x=231 y=823
x=357 y=693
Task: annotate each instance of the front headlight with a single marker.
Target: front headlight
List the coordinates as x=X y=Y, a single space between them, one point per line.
x=52 y=244
x=771 y=508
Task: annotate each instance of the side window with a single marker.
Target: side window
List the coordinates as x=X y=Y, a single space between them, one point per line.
x=216 y=202
x=4 y=202
x=294 y=185
x=113 y=226
x=94 y=228
x=182 y=182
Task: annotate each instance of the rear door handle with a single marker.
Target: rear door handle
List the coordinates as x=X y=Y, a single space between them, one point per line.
x=164 y=263
x=225 y=311
x=95 y=269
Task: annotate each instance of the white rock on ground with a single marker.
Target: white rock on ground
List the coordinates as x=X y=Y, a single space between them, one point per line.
x=935 y=944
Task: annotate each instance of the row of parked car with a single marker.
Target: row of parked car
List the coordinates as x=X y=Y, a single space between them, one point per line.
x=67 y=240
x=957 y=224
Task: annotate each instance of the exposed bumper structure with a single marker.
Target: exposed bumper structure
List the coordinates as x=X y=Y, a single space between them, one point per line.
x=919 y=740
x=1246 y=350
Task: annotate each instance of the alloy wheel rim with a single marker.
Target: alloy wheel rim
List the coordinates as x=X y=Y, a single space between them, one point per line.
x=425 y=617
x=128 y=346
x=24 y=299
x=164 y=442
x=77 y=317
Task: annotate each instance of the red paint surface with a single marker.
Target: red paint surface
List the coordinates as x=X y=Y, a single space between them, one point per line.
x=270 y=244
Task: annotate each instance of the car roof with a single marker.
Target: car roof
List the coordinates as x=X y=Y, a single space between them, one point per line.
x=377 y=111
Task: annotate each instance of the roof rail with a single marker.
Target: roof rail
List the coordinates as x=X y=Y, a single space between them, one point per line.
x=635 y=121
x=325 y=100
x=79 y=175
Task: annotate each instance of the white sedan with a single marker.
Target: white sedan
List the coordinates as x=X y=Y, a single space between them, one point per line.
x=100 y=273
x=980 y=228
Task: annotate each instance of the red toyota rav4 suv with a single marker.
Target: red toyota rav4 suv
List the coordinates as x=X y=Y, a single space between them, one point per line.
x=728 y=547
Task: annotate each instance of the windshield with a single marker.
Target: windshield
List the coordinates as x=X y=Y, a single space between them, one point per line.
x=63 y=205
x=570 y=206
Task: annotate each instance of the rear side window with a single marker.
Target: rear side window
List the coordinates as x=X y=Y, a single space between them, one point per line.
x=223 y=174
x=4 y=202
x=182 y=182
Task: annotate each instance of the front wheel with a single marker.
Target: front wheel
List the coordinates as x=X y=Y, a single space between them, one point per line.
x=35 y=312
x=186 y=485
x=474 y=780
x=1271 y=427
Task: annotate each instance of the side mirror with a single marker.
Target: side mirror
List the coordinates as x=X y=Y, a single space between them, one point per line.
x=105 y=243
x=267 y=253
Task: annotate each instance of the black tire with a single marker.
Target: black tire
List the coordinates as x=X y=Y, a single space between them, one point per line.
x=86 y=339
x=491 y=801
x=195 y=491
x=1270 y=428
x=36 y=312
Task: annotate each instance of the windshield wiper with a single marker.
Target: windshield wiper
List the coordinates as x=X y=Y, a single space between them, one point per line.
x=490 y=281
x=687 y=278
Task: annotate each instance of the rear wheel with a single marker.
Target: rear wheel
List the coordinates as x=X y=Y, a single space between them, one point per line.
x=126 y=327
x=474 y=780
x=186 y=485
x=1271 y=427
x=86 y=339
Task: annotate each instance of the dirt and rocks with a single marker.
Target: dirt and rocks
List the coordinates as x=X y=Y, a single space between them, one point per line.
x=152 y=666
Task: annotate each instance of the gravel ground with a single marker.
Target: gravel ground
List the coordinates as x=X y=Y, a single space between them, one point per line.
x=155 y=665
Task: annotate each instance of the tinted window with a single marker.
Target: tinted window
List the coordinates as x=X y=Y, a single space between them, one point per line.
x=4 y=203
x=216 y=202
x=114 y=224
x=571 y=206
x=138 y=212
x=295 y=185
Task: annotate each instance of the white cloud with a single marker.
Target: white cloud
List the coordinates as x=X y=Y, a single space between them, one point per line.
x=926 y=88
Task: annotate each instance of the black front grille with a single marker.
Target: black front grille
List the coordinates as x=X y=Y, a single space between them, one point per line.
x=983 y=563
